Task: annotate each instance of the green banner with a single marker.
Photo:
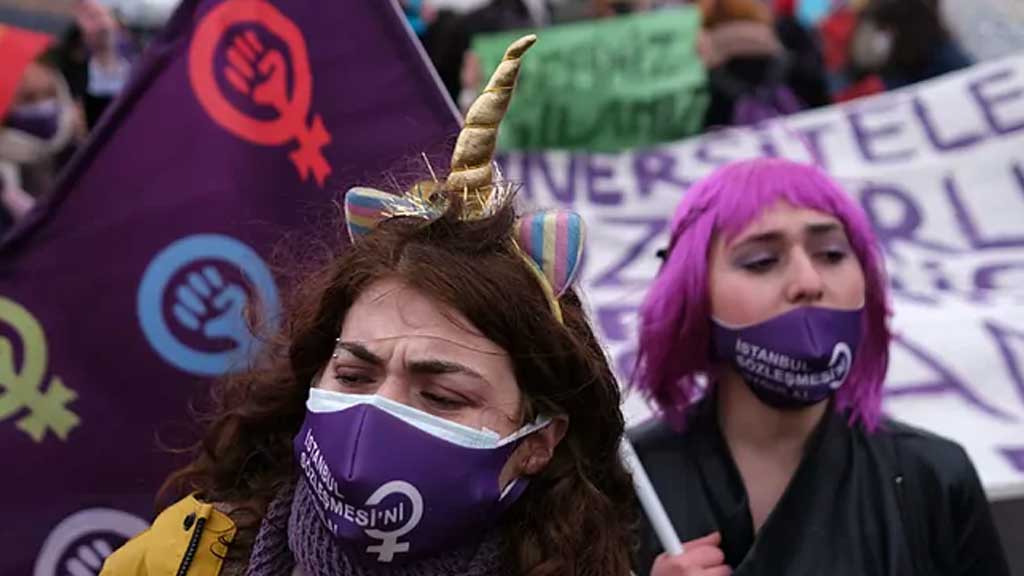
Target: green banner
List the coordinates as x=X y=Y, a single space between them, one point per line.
x=605 y=85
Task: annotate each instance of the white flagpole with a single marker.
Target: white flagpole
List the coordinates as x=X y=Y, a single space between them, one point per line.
x=649 y=501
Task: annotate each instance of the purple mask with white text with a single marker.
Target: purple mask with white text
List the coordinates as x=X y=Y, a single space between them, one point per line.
x=394 y=484
x=793 y=360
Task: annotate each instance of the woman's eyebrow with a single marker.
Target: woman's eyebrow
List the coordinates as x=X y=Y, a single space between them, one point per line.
x=822 y=228
x=762 y=237
x=435 y=367
x=770 y=236
x=814 y=229
x=361 y=352
x=430 y=367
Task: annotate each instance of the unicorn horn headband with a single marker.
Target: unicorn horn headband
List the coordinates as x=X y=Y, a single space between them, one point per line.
x=472 y=172
x=551 y=241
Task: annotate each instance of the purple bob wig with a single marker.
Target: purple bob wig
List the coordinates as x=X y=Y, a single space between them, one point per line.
x=675 y=324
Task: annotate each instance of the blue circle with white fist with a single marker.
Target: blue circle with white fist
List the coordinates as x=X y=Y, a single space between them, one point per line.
x=204 y=302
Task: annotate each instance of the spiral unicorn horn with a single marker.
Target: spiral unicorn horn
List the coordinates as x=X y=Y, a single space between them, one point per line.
x=471 y=171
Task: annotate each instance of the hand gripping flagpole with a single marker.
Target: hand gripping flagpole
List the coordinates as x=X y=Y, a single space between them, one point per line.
x=649 y=500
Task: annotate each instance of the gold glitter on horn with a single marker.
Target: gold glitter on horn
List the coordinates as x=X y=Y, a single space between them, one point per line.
x=472 y=173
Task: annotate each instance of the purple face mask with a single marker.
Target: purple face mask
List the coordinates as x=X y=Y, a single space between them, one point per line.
x=40 y=119
x=795 y=359
x=395 y=484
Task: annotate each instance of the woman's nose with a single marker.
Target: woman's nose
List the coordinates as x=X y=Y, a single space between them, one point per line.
x=805 y=284
x=395 y=387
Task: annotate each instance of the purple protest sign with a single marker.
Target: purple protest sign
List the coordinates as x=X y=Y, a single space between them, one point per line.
x=122 y=294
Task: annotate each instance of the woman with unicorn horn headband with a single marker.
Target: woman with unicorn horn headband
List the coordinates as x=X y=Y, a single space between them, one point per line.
x=439 y=404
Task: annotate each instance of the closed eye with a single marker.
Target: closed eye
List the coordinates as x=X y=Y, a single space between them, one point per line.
x=833 y=255
x=759 y=265
x=443 y=402
x=354 y=380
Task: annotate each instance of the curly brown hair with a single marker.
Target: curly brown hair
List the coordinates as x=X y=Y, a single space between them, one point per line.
x=576 y=516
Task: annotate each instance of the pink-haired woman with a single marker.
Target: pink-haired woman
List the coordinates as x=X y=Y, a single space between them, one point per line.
x=764 y=345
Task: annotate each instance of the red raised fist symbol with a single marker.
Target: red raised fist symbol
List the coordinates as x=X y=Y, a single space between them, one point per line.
x=260 y=73
x=257 y=72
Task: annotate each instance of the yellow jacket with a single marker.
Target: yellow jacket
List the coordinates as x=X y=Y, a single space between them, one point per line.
x=189 y=538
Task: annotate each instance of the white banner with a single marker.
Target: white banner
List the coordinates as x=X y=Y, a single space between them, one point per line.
x=939 y=168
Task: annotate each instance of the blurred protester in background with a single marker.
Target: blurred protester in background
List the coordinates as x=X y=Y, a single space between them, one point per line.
x=845 y=81
x=39 y=119
x=449 y=37
x=95 y=56
x=759 y=67
x=718 y=12
x=905 y=41
x=445 y=42
x=609 y=8
x=496 y=16
x=420 y=14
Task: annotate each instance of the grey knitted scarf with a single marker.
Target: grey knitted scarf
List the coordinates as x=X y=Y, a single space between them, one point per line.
x=292 y=534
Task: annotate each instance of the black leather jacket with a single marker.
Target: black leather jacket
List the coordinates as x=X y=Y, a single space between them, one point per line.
x=896 y=502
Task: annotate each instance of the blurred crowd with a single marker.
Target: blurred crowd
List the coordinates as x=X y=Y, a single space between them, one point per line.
x=791 y=54
x=53 y=90
x=764 y=58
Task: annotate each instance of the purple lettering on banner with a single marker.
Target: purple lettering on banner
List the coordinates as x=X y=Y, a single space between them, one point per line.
x=946 y=382
x=810 y=137
x=867 y=136
x=902 y=291
x=625 y=363
x=898 y=289
x=502 y=160
x=985 y=277
x=896 y=284
x=653 y=167
x=704 y=154
x=1015 y=455
x=904 y=228
x=524 y=176
x=1002 y=335
x=614 y=321
x=939 y=279
x=943 y=144
x=765 y=142
x=581 y=271
x=595 y=174
x=967 y=224
x=539 y=163
x=988 y=102
x=653 y=227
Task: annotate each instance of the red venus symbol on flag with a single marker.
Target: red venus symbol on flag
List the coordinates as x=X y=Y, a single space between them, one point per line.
x=238 y=30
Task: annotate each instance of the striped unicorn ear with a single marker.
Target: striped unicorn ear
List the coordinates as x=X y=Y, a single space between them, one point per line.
x=553 y=240
x=365 y=208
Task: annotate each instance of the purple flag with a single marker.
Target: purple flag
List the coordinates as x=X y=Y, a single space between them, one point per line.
x=122 y=296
